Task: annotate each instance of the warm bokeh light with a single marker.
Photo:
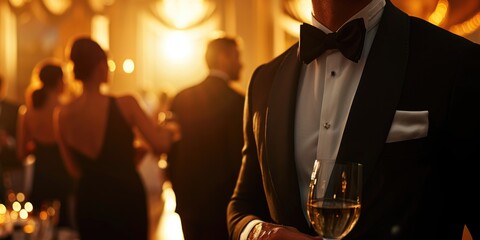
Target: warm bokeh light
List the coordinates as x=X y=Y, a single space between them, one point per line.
x=51 y=211
x=100 y=31
x=169 y=197
x=183 y=13
x=23 y=214
x=3 y=209
x=440 y=12
x=162 y=164
x=111 y=65
x=301 y=10
x=13 y=215
x=170 y=226
x=296 y=12
x=29 y=228
x=28 y=206
x=177 y=46
x=171 y=59
x=11 y=197
x=468 y=26
x=43 y=215
x=57 y=7
x=20 y=197
x=128 y=65
x=16 y=206
x=4 y=218
x=18 y=3
x=99 y=5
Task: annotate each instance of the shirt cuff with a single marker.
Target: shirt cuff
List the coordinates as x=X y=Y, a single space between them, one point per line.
x=248 y=229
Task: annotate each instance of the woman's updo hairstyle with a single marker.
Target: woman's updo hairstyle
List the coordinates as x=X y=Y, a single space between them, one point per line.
x=85 y=55
x=50 y=75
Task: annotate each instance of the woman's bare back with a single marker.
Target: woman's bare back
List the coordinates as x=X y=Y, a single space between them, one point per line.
x=84 y=122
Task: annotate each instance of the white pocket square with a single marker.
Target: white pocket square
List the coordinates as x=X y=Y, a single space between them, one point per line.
x=408 y=125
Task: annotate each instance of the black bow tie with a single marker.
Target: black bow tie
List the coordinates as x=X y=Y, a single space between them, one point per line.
x=349 y=40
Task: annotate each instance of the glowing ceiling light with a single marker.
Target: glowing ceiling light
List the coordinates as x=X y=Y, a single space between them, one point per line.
x=99 y=5
x=57 y=7
x=177 y=46
x=18 y=3
x=183 y=14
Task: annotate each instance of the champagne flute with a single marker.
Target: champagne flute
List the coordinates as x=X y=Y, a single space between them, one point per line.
x=333 y=204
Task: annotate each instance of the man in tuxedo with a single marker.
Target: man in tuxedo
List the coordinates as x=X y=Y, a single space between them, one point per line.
x=404 y=104
x=203 y=166
x=8 y=127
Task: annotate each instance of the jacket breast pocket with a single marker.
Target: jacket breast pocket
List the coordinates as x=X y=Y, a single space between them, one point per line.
x=408 y=125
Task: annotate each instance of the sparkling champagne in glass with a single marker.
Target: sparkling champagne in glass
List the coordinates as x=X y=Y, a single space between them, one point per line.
x=333 y=204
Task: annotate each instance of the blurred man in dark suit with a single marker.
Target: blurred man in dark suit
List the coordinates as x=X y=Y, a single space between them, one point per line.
x=204 y=164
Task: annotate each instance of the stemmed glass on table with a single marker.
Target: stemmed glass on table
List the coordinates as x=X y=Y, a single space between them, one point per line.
x=334 y=196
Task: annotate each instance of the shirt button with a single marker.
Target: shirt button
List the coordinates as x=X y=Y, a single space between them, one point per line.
x=333 y=73
x=326 y=125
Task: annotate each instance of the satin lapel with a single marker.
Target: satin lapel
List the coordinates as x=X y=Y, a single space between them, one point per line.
x=375 y=102
x=280 y=138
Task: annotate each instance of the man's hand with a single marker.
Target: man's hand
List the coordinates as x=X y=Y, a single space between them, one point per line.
x=270 y=231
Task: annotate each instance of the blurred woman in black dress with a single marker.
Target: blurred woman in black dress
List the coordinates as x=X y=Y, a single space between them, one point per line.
x=96 y=132
x=35 y=135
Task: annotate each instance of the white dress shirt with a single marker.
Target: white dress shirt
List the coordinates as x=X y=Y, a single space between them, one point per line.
x=325 y=94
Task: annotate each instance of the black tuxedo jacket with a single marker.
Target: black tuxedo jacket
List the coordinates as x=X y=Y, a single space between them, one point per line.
x=418 y=188
x=204 y=164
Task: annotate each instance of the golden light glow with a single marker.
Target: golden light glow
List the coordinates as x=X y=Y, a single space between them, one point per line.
x=162 y=164
x=468 y=26
x=13 y=215
x=57 y=7
x=128 y=65
x=43 y=215
x=99 y=5
x=20 y=197
x=28 y=206
x=291 y=26
x=29 y=228
x=296 y=12
x=440 y=12
x=100 y=32
x=18 y=3
x=3 y=209
x=111 y=65
x=23 y=214
x=182 y=14
x=4 y=217
x=11 y=197
x=51 y=211
x=169 y=197
x=301 y=10
x=16 y=206
x=177 y=46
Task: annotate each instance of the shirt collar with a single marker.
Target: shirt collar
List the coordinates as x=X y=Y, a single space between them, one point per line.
x=219 y=74
x=370 y=14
